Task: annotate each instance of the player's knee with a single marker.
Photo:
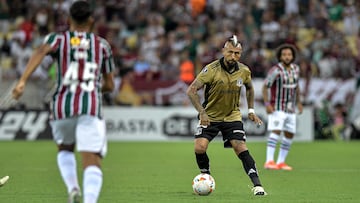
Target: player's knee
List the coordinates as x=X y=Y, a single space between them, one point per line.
x=278 y=132
x=69 y=148
x=200 y=148
x=201 y=145
x=238 y=146
x=91 y=159
x=288 y=135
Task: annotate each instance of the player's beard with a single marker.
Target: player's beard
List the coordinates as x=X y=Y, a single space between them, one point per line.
x=286 y=62
x=230 y=64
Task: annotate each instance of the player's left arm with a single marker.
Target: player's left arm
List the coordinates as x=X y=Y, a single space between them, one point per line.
x=250 y=102
x=250 y=95
x=298 y=100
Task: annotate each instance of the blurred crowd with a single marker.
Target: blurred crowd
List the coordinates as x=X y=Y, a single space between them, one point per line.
x=157 y=42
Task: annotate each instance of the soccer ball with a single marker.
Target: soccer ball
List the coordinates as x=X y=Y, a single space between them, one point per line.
x=203 y=184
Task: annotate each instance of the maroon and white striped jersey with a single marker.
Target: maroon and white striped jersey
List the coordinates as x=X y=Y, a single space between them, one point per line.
x=283 y=83
x=81 y=59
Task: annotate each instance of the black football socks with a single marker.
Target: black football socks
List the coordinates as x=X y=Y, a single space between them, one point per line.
x=249 y=166
x=203 y=162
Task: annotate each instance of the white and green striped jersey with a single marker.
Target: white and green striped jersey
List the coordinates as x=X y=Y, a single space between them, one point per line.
x=283 y=84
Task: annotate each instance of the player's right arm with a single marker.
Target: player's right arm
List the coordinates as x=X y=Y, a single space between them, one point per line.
x=269 y=80
x=192 y=93
x=31 y=66
x=194 y=97
x=265 y=94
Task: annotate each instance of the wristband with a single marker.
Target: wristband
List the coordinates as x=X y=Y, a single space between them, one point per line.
x=251 y=111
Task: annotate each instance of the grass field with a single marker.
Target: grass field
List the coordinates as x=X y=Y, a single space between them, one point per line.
x=162 y=172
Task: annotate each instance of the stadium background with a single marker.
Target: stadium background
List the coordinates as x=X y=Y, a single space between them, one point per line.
x=156 y=44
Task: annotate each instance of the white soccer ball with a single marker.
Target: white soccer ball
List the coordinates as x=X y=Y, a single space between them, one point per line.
x=203 y=184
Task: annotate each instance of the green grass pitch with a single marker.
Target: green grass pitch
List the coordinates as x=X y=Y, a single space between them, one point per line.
x=162 y=172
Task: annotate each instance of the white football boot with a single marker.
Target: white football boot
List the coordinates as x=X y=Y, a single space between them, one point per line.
x=258 y=190
x=3 y=180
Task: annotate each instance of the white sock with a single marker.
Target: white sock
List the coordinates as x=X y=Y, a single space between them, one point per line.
x=92 y=184
x=67 y=166
x=284 y=149
x=271 y=146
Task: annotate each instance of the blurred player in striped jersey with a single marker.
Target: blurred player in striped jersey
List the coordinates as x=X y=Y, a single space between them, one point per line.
x=85 y=66
x=281 y=95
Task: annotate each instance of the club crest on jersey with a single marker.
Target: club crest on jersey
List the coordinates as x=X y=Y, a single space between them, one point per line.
x=204 y=70
x=239 y=82
x=276 y=123
x=291 y=80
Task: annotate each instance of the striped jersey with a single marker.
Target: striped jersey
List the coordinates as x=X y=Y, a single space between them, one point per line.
x=222 y=90
x=81 y=59
x=283 y=83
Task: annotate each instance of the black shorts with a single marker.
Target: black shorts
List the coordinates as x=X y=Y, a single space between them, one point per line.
x=229 y=130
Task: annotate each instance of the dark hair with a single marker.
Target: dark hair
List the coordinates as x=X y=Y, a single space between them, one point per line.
x=286 y=46
x=80 y=11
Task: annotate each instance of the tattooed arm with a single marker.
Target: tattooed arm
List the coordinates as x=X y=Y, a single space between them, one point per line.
x=192 y=93
x=249 y=95
x=194 y=97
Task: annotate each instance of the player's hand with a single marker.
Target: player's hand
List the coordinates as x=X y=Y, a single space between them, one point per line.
x=18 y=89
x=253 y=117
x=204 y=119
x=300 y=108
x=269 y=109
